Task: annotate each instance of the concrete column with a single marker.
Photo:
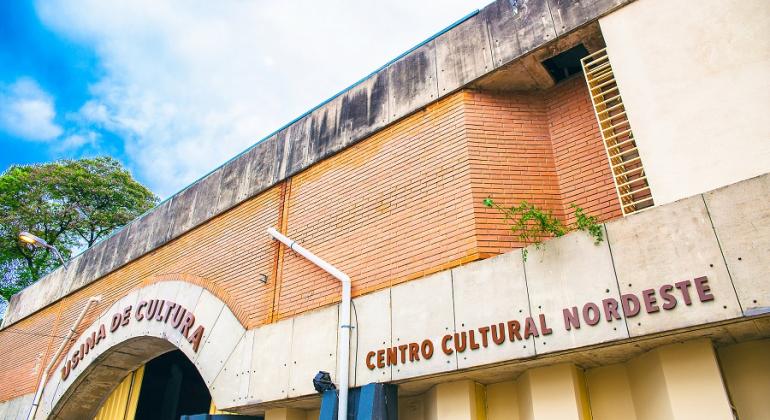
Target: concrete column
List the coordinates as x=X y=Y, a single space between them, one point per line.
x=502 y=401
x=609 y=393
x=679 y=381
x=285 y=414
x=746 y=369
x=553 y=392
x=461 y=400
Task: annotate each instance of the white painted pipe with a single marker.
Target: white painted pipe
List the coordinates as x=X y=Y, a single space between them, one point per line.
x=44 y=378
x=343 y=352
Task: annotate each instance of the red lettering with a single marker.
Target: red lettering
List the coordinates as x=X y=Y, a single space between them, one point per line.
x=610 y=309
x=445 y=344
x=460 y=344
x=170 y=306
x=189 y=320
x=402 y=350
x=668 y=299
x=498 y=333
x=369 y=363
x=703 y=289
x=484 y=340
x=380 y=359
x=591 y=313
x=392 y=356
x=571 y=318
x=178 y=317
x=513 y=330
x=543 y=326
x=414 y=352
x=630 y=305
x=195 y=339
x=530 y=329
x=116 y=319
x=683 y=287
x=472 y=340
x=648 y=295
x=139 y=314
x=159 y=313
x=426 y=349
x=126 y=315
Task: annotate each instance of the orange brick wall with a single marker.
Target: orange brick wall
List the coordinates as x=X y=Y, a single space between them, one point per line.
x=581 y=162
x=404 y=203
x=511 y=161
x=391 y=208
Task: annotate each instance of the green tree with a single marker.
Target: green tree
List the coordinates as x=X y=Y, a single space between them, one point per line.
x=70 y=204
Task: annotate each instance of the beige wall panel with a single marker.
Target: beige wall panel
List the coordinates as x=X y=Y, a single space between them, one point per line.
x=231 y=386
x=313 y=348
x=552 y=393
x=188 y=298
x=502 y=401
x=490 y=292
x=373 y=333
x=285 y=414
x=648 y=386
x=270 y=361
x=225 y=334
x=206 y=312
x=694 y=381
x=422 y=309
x=700 y=119
x=411 y=408
x=746 y=369
x=566 y=272
x=458 y=400
x=741 y=217
x=665 y=246
x=609 y=393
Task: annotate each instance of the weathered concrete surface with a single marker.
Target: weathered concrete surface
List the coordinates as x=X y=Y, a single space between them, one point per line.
x=567 y=273
x=740 y=214
x=17 y=408
x=423 y=310
x=313 y=348
x=372 y=330
x=496 y=36
x=666 y=245
x=500 y=284
x=271 y=356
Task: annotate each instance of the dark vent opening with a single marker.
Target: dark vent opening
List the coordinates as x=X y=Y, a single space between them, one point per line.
x=566 y=63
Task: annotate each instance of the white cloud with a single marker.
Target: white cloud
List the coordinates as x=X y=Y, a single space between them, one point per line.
x=27 y=111
x=187 y=85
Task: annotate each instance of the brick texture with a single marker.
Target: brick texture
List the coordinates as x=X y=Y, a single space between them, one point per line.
x=402 y=204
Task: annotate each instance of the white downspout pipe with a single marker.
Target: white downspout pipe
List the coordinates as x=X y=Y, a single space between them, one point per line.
x=44 y=378
x=343 y=352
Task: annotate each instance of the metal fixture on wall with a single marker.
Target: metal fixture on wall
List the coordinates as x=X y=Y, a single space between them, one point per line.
x=625 y=161
x=38 y=242
x=343 y=339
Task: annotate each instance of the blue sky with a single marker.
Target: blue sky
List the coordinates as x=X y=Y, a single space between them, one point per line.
x=175 y=88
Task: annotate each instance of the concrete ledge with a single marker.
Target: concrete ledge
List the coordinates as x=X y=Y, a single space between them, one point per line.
x=494 y=37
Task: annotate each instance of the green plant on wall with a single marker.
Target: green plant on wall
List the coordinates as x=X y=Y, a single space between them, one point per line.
x=531 y=224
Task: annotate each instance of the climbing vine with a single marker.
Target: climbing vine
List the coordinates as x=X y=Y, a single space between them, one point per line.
x=531 y=224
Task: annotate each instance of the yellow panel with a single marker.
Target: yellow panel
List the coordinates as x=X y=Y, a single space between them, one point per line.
x=121 y=404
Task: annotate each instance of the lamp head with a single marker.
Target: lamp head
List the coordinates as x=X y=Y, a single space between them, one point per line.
x=33 y=240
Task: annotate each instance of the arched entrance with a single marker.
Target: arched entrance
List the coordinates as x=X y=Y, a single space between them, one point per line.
x=169 y=317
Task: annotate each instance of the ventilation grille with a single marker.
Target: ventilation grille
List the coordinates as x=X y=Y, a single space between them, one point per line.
x=626 y=164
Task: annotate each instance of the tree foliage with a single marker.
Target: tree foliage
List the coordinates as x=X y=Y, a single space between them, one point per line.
x=70 y=204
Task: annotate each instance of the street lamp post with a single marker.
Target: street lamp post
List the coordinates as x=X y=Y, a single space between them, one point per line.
x=38 y=242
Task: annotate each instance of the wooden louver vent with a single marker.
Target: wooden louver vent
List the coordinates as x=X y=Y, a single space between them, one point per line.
x=625 y=162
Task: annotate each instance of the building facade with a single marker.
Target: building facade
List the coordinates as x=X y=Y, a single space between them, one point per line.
x=647 y=114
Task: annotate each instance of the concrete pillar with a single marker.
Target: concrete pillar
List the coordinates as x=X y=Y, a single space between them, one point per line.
x=553 y=392
x=285 y=414
x=502 y=401
x=679 y=381
x=461 y=400
x=609 y=393
x=746 y=369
